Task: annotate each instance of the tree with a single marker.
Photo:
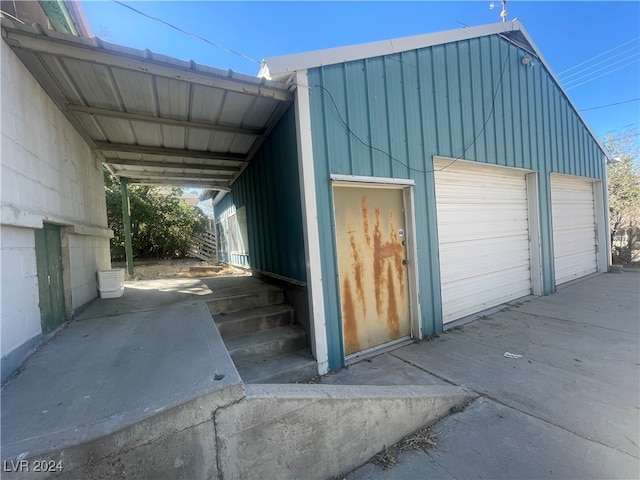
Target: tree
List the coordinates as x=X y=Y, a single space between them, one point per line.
x=161 y=222
x=624 y=195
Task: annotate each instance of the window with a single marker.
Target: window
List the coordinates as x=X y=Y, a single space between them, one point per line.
x=232 y=232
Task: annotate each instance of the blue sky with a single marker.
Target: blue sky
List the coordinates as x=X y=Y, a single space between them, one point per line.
x=604 y=35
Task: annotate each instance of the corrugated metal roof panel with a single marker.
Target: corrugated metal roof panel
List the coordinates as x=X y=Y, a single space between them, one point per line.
x=147 y=133
x=241 y=143
x=173 y=98
x=137 y=91
x=116 y=131
x=207 y=103
x=138 y=106
x=198 y=139
x=221 y=141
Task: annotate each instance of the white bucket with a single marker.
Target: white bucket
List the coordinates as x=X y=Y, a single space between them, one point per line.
x=111 y=283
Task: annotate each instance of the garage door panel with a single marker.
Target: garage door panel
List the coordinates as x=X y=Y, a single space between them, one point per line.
x=466 y=232
x=486 y=289
x=489 y=254
x=459 y=272
x=574 y=227
x=483 y=237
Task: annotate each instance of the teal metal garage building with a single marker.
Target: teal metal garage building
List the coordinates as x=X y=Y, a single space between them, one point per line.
x=415 y=182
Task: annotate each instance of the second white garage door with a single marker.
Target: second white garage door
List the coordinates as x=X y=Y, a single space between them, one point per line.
x=574 y=227
x=483 y=234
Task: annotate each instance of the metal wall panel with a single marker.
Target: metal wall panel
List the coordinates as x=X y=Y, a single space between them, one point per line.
x=269 y=189
x=472 y=99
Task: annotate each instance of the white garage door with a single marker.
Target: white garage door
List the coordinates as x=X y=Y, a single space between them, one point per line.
x=574 y=227
x=483 y=234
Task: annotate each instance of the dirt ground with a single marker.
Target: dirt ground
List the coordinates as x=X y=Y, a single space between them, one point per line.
x=149 y=269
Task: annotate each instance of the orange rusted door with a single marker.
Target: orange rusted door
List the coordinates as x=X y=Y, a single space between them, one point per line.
x=370 y=235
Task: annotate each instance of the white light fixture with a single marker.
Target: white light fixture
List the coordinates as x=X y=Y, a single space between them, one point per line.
x=526 y=60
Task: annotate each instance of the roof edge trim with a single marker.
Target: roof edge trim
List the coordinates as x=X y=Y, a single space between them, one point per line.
x=276 y=67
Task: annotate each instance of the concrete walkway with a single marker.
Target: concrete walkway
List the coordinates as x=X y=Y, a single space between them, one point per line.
x=568 y=408
x=143 y=387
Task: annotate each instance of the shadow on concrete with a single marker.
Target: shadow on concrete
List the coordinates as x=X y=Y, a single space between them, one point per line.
x=569 y=407
x=144 y=387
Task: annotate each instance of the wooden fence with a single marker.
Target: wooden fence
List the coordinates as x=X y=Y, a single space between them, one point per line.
x=204 y=247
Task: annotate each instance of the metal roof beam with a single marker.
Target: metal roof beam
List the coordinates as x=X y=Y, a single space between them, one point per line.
x=183 y=185
x=173 y=165
x=179 y=182
x=101 y=56
x=169 y=152
x=103 y=112
x=168 y=176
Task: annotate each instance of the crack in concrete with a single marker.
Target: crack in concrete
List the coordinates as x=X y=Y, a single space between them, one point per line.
x=501 y=402
x=440 y=466
x=439 y=377
x=94 y=460
x=549 y=422
x=215 y=432
x=577 y=323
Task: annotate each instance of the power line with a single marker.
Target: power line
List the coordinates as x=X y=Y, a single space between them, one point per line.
x=603 y=75
x=618 y=129
x=610 y=104
x=217 y=45
x=599 y=63
x=598 y=56
x=606 y=67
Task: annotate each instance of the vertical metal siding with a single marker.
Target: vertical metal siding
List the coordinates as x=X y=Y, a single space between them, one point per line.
x=436 y=101
x=354 y=80
x=379 y=122
x=442 y=100
x=414 y=142
x=396 y=130
x=269 y=188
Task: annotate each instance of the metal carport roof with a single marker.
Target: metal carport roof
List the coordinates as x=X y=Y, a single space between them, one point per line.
x=153 y=119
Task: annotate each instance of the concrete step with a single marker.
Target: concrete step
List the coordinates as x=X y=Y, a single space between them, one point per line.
x=263 y=296
x=272 y=342
x=297 y=367
x=251 y=321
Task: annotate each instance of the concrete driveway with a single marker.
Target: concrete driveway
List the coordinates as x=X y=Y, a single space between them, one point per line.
x=569 y=407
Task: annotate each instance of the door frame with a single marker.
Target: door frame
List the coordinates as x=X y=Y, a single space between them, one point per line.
x=407 y=186
x=533 y=221
x=45 y=261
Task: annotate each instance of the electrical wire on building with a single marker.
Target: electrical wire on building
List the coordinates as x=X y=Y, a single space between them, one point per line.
x=391 y=157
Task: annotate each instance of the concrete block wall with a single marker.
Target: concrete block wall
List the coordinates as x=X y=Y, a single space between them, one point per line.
x=19 y=309
x=46 y=165
x=48 y=174
x=87 y=255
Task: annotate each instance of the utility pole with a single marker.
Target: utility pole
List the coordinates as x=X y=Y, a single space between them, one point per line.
x=126 y=220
